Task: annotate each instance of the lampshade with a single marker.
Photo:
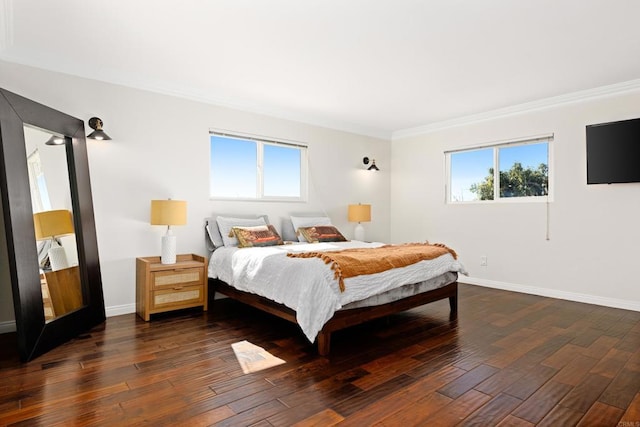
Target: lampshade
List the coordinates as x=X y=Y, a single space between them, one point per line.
x=96 y=124
x=359 y=213
x=55 y=223
x=168 y=212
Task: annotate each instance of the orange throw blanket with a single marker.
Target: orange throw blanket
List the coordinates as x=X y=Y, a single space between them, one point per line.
x=355 y=262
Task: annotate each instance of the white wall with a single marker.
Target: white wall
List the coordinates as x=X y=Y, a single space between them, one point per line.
x=160 y=149
x=594 y=230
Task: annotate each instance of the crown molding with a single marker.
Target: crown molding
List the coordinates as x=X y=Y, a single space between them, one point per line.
x=599 y=92
x=6 y=40
x=6 y=24
x=160 y=88
x=284 y=114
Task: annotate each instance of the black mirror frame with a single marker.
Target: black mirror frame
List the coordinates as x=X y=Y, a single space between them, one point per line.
x=36 y=337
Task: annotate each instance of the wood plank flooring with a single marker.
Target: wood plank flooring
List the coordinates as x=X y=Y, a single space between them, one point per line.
x=509 y=359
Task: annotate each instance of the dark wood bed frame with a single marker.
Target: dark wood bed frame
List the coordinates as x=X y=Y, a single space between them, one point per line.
x=342 y=318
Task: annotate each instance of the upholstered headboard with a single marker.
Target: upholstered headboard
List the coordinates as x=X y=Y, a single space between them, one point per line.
x=287 y=232
x=213 y=238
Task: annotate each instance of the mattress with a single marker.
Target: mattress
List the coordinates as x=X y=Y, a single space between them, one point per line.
x=404 y=291
x=308 y=285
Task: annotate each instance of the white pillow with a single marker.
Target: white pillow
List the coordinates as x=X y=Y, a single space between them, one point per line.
x=308 y=221
x=225 y=224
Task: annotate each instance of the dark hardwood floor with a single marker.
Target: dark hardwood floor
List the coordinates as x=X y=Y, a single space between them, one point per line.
x=509 y=359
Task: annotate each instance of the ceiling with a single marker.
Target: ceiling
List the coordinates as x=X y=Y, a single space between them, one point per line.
x=375 y=67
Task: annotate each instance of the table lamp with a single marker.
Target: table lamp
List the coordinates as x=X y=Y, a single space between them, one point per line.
x=168 y=212
x=51 y=225
x=359 y=213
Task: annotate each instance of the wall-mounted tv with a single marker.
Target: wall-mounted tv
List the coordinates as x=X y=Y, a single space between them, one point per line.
x=613 y=152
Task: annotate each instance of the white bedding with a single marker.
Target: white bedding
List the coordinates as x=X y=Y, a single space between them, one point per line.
x=307 y=285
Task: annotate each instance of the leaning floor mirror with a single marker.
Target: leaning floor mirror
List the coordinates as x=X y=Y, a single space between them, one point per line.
x=49 y=251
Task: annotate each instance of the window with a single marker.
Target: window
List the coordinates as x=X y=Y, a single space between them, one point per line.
x=249 y=168
x=510 y=171
x=39 y=193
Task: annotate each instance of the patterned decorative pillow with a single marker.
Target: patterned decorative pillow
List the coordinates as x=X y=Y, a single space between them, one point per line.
x=321 y=233
x=225 y=224
x=307 y=221
x=253 y=237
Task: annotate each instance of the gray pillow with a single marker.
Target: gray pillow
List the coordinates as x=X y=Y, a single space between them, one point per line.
x=213 y=234
x=308 y=221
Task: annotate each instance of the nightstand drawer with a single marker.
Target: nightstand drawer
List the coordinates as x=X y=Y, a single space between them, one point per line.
x=178 y=277
x=166 y=287
x=181 y=296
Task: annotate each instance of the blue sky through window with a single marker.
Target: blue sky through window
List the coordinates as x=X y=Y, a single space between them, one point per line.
x=281 y=164
x=467 y=168
x=235 y=169
x=472 y=166
x=529 y=155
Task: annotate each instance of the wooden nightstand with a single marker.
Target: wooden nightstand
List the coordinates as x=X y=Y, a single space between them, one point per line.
x=167 y=287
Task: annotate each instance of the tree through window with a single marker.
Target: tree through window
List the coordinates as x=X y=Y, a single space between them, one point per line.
x=505 y=171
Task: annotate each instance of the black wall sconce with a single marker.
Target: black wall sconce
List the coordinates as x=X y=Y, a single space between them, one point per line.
x=55 y=140
x=373 y=166
x=96 y=124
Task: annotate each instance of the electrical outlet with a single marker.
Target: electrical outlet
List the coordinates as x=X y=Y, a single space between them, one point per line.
x=483 y=261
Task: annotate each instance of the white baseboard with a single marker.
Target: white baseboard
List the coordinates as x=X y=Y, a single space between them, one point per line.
x=553 y=293
x=10 y=325
x=7 y=326
x=117 y=310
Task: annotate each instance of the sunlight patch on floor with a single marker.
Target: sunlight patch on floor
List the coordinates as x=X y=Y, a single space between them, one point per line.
x=253 y=358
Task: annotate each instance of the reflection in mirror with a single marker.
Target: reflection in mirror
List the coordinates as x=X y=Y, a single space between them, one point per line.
x=53 y=222
x=20 y=260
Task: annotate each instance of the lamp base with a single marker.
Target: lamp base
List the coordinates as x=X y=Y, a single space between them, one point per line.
x=58 y=258
x=359 y=232
x=168 y=249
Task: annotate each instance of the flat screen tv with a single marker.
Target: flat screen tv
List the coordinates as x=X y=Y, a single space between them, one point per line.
x=613 y=152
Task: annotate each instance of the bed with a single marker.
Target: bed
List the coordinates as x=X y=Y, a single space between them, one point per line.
x=311 y=285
